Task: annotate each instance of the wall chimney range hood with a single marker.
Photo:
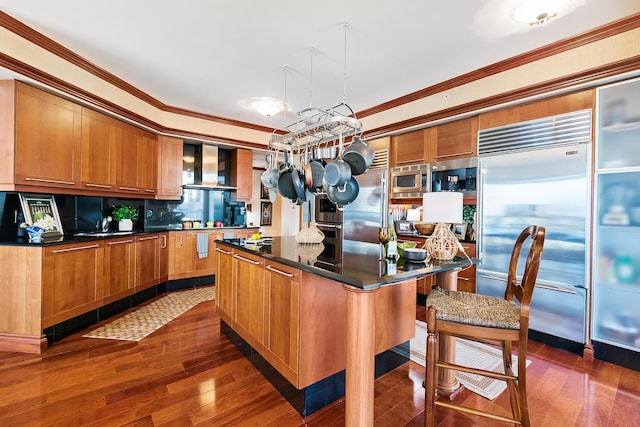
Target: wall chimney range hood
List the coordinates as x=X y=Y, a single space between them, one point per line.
x=205 y=167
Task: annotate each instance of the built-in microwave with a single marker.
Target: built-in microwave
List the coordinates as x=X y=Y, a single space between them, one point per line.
x=455 y=175
x=326 y=211
x=410 y=181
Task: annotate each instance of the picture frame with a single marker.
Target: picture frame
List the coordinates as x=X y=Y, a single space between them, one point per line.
x=264 y=192
x=459 y=230
x=266 y=212
x=42 y=211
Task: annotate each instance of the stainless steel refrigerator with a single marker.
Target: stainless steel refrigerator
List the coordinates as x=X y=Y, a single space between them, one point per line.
x=538 y=173
x=362 y=219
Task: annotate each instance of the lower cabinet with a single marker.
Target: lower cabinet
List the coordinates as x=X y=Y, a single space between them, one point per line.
x=147 y=261
x=184 y=259
x=467 y=276
x=296 y=320
x=72 y=281
x=119 y=269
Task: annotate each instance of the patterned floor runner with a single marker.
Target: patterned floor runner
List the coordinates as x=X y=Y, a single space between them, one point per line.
x=151 y=317
x=468 y=353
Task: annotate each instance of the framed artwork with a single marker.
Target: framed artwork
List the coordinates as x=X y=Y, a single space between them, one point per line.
x=266 y=210
x=264 y=192
x=459 y=230
x=42 y=211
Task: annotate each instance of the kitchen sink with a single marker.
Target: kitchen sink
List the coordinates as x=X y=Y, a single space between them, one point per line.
x=103 y=234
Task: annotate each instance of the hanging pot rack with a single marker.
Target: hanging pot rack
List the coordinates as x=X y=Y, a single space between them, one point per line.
x=317 y=127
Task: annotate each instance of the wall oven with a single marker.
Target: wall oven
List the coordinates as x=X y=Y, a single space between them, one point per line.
x=328 y=219
x=410 y=181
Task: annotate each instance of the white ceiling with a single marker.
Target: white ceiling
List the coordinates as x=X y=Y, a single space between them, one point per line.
x=212 y=56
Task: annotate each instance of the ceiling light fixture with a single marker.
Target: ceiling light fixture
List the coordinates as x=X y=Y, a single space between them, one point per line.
x=537 y=12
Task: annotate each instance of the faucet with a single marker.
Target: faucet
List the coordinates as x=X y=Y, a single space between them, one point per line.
x=104 y=224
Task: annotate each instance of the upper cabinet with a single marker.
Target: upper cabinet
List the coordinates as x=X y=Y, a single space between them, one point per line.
x=137 y=156
x=101 y=136
x=169 y=168
x=413 y=148
x=537 y=109
x=458 y=139
x=242 y=173
x=40 y=140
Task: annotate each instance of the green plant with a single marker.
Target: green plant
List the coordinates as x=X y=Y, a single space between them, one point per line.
x=124 y=212
x=467 y=213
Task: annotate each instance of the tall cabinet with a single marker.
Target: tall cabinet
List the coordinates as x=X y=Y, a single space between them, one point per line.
x=616 y=270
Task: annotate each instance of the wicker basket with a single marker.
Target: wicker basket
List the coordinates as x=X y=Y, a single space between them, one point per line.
x=424 y=228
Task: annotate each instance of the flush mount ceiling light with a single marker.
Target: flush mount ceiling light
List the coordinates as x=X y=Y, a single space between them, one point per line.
x=263 y=104
x=537 y=12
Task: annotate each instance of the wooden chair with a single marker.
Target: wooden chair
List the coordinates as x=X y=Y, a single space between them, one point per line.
x=490 y=320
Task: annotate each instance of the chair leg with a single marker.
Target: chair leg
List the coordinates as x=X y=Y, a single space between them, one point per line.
x=512 y=385
x=431 y=372
x=522 y=383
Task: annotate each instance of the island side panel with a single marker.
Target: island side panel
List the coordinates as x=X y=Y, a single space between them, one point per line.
x=20 y=305
x=395 y=314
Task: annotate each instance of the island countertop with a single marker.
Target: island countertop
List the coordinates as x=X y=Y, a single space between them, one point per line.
x=362 y=265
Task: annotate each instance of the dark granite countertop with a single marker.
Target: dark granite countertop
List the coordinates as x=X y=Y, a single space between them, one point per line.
x=361 y=265
x=72 y=237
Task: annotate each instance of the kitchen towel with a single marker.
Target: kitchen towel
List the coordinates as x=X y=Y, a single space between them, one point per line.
x=202 y=245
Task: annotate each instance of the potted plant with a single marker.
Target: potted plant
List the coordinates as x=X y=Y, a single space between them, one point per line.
x=125 y=215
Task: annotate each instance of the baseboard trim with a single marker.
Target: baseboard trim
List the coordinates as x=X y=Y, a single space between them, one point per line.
x=23 y=343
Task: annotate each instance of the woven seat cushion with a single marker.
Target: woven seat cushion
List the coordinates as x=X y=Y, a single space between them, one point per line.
x=474 y=309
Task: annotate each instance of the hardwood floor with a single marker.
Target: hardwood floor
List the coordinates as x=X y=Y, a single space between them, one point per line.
x=187 y=374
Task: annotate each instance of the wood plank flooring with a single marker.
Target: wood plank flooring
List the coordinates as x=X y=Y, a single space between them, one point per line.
x=187 y=374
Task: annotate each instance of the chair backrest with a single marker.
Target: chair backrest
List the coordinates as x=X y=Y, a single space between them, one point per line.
x=524 y=290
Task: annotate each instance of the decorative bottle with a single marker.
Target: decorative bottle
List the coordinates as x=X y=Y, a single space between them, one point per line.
x=392 y=245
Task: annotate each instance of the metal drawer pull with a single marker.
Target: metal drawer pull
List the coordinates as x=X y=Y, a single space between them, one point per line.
x=119 y=242
x=148 y=238
x=128 y=188
x=223 y=251
x=275 y=270
x=401 y=162
x=537 y=285
x=75 y=249
x=51 y=181
x=97 y=185
x=466 y=153
x=463 y=278
x=150 y=190
x=246 y=259
x=164 y=241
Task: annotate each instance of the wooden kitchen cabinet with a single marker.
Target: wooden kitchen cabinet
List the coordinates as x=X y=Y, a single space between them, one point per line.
x=100 y=139
x=242 y=174
x=137 y=154
x=282 y=307
x=225 y=286
x=72 y=280
x=412 y=148
x=119 y=269
x=248 y=275
x=169 y=168
x=458 y=139
x=184 y=261
x=40 y=140
x=147 y=261
x=467 y=276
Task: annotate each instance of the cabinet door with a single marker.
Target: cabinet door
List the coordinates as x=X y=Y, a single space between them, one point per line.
x=457 y=139
x=169 y=168
x=127 y=171
x=467 y=276
x=200 y=266
x=225 y=298
x=72 y=281
x=147 y=262
x=119 y=268
x=163 y=244
x=147 y=161
x=48 y=137
x=250 y=295
x=242 y=173
x=409 y=148
x=100 y=138
x=283 y=311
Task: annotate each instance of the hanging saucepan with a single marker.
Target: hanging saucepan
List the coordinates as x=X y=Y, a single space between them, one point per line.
x=269 y=177
x=338 y=172
x=285 y=182
x=317 y=174
x=298 y=185
x=345 y=194
x=359 y=156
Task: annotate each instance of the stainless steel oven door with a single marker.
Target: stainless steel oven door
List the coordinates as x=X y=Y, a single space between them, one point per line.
x=331 y=256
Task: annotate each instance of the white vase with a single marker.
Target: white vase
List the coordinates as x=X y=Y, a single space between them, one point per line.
x=125 y=225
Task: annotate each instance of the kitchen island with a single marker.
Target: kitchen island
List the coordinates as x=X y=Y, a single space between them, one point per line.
x=313 y=325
